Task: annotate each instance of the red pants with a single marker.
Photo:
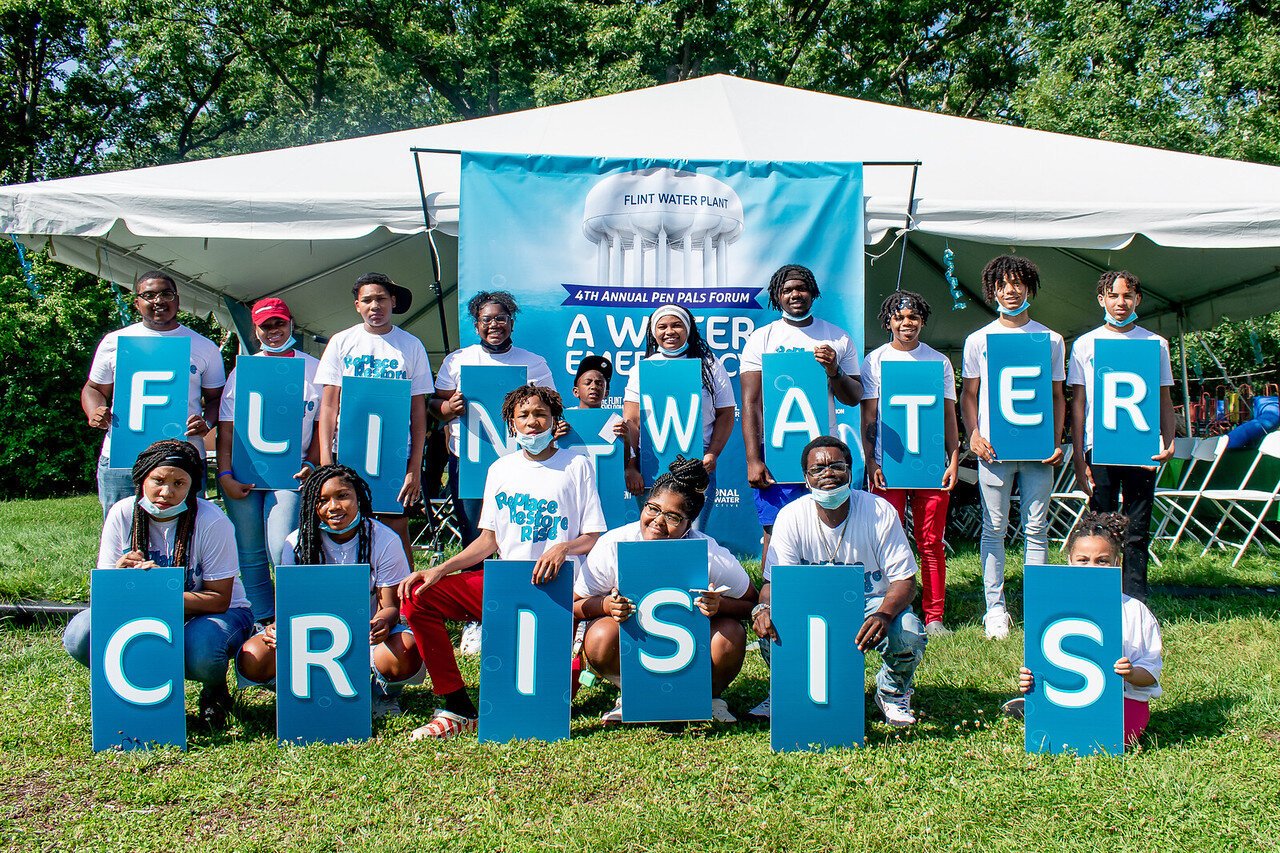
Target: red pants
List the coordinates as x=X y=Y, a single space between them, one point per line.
x=929 y=514
x=1136 y=716
x=458 y=598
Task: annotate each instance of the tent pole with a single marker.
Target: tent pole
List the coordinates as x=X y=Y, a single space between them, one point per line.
x=1186 y=385
x=910 y=220
x=435 y=257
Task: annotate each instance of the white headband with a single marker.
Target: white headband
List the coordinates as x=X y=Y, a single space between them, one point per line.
x=672 y=311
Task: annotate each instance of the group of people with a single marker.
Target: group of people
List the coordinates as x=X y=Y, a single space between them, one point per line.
x=155 y=514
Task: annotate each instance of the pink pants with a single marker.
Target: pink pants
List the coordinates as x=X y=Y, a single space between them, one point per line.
x=458 y=598
x=1136 y=716
x=929 y=514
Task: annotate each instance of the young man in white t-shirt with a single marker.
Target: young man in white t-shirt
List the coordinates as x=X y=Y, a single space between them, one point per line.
x=155 y=297
x=378 y=349
x=839 y=525
x=1009 y=283
x=904 y=315
x=1119 y=294
x=792 y=292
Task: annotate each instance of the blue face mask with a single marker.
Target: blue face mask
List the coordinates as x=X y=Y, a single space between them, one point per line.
x=534 y=444
x=672 y=353
x=1112 y=321
x=161 y=514
x=831 y=498
x=1016 y=311
x=284 y=347
x=793 y=318
x=350 y=527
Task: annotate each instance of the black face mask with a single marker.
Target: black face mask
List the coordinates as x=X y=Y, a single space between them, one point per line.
x=500 y=348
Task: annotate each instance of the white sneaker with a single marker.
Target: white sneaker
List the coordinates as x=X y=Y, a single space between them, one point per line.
x=937 y=629
x=896 y=709
x=470 y=642
x=386 y=706
x=613 y=715
x=761 y=710
x=720 y=711
x=997 y=623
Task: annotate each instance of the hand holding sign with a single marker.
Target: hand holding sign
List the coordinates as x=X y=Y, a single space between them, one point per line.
x=826 y=356
x=618 y=608
x=548 y=564
x=101 y=417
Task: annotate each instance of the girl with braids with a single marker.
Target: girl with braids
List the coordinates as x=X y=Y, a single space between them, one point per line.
x=667 y=513
x=1099 y=540
x=167 y=523
x=672 y=333
x=540 y=504
x=336 y=527
x=792 y=292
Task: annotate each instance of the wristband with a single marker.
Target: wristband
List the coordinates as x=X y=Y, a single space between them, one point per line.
x=222 y=474
x=308 y=463
x=758 y=609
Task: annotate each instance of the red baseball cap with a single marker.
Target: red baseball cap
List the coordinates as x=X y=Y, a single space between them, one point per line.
x=265 y=309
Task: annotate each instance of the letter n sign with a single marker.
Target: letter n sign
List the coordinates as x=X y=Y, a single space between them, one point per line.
x=1073 y=640
x=136 y=658
x=1125 y=399
x=483 y=435
x=670 y=413
x=266 y=448
x=153 y=376
x=796 y=410
x=665 y=647
x=323 y=693
x=373 y=435
x=1019 y=394
x=912 y=431
x=525 y=677
x=816 y=670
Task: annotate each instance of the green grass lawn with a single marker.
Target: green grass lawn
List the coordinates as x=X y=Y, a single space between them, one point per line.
x=1206 y=776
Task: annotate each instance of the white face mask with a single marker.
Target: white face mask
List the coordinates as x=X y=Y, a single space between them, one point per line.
x=831 y=498
x=534 y=444
x=161 y=514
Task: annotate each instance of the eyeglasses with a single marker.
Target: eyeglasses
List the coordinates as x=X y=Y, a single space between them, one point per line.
x=158 y=296
x=834 y=468
x=670 y=517
x=495 y=320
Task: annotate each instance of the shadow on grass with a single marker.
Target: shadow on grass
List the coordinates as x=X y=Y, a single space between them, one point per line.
x=1188 y=721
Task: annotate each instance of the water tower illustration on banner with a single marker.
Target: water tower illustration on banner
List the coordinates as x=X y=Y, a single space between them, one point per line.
x=662 y=228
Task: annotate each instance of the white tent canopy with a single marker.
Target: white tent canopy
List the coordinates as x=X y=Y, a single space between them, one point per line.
x=1203 y=234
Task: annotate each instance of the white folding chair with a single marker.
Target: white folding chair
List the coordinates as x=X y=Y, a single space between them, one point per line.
x=1177 y=504
x=1067 y=502
x=1235 y=502
x=1182 y=450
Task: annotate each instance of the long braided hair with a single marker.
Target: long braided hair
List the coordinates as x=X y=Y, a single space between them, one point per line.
x=308 y=551
x=785 y=274
x=688 y=478
x=697 y=345
x=176 y=454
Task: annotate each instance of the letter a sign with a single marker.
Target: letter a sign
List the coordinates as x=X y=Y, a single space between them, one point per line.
x=1125 y=399
x=266 y=449
x=794 y=388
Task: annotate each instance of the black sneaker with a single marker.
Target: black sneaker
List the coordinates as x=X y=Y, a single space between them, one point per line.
x=215 y=704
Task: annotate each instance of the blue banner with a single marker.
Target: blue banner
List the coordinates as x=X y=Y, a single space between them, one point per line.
x=136 y=658
x=1125 y=399
x=912 y=424
x=665 y=648
x=483 y=434
x=323 y=691
x=670 y=414
x=150 y=397
x=590 y=246
x=266 y=446
x=527 y=649
x=816 y=669
x=373 y=435
x=796 y=410
x=1073 y=640
x=591 y=430
x=1020 y=395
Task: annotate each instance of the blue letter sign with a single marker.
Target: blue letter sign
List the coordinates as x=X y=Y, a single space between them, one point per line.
x=796 y=410
x=373 y=435
x=590 y=429
x=483 y=435
x=527 y=646
x=136 y=657
x=665 y=647
x=150 y=397
x=266 y=447
x=912 y=432
x=1019 y=392
x=670 y=413
x=816 y=669
x=1073 y=640
x=1125 y=401
x=323 y=692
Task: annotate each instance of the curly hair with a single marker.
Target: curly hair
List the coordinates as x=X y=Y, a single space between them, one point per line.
x=484 y=297
x=308 y=551
x=783 y=275
x=1109 y=277
x=895 y=302
x=687 y=478
x=697 y=349
x=1111 y=526
x=1009 y=266
x=549 y=396
x=177 y=454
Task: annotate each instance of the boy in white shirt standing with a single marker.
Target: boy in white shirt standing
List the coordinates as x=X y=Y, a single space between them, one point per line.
x=1009 y=283
x=1119 y=294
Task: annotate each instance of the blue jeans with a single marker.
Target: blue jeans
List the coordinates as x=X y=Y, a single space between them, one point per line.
x=209 y=641
x=901 y=650
x=114 y=485
x=995 y=481
x=262 y=519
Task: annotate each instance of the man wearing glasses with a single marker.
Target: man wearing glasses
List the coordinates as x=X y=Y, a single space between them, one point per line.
x=838 y=525
x=156 y=300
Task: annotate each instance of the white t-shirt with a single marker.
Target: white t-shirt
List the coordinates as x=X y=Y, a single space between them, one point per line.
x=531 y=506
x=207 y=371
x=1141 y=645
x=781 y=336
x=873 y=537
x=388 y=564
x=720 y=395
x=450 y=377
x=1080 y=370
x=598 y=573
x=310 y=397
x=887 y=352
x=975 y=361
x=358 y=352
x=213 y=546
